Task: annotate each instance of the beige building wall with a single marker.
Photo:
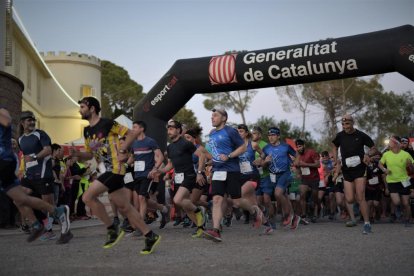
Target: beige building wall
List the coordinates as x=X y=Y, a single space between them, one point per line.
x=54 y=85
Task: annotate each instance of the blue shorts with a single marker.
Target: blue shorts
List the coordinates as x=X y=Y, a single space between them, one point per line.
x=282 y=180
x=266 y=186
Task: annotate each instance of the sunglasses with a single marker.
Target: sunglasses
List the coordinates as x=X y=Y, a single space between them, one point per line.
x=31 y=120
x=171 y=126
x=271 y=134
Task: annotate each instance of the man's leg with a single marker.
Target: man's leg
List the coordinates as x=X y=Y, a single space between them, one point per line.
x=349 y=192
x=90 y=197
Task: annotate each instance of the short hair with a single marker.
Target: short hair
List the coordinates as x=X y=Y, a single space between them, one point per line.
x=91 y=101
x=141 y=124
x=55 y=147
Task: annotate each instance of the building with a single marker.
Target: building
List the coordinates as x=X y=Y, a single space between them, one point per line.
x=53 y=82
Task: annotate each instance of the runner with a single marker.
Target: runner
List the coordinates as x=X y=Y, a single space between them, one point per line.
x=277 y=156
x=351 y=142
x=25 y=203
x=102 y=142
x=397 y=163
x=180 y=157
x=226 y=145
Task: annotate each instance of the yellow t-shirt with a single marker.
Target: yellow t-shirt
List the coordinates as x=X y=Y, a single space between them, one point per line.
x=397 y=164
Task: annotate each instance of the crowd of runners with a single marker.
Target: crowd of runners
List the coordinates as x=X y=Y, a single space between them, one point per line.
x=235 y=175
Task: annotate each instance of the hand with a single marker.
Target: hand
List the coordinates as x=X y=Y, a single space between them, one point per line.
x=224 y=157
x=387 y=192
x=122 y=157
x=28 y=158
x=200 y=179
x=268 y=159
x=257 y=162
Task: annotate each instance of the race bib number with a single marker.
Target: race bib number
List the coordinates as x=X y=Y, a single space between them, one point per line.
x=305 y=170
x=406 y=183
x=179 y=178
x=139 y=166
x=273 y=178
x=352 y=161
x=260 y=169
x=321 y=184
x=373 y=181
x=101 y=167
x=245 y=167
x=31 y=164
x=128 y=178
x=220 y=175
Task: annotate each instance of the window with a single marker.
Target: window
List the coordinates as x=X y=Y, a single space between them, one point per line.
x=86 y=91
x=16 y=62
x=29 y=78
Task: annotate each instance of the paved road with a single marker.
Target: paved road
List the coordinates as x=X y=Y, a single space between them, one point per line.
x=324 y=248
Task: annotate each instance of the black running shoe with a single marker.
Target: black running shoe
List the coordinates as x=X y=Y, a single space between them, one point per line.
x=36 y=231
x=150 y=244
x=65 y=238
x=113 y=237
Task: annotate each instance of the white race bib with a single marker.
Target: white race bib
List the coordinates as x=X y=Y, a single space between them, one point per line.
x=139 y=166
x=128 y=178
x=373 y=181
x=260 y=169
x=273 y=178
x=321 y=184
x=352 y=161
x=179 y=178
x=31 y=164
x=305 y=170
x=406 y=183
x=101 y=167
x=220 y=175
x=245 y=167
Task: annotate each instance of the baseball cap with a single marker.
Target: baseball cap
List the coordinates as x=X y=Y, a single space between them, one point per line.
x=221 y=111
x=274 y=130
x=26 y=115
x=299 y=142
x=91 y=101
x=347 y=118
x=404 y=140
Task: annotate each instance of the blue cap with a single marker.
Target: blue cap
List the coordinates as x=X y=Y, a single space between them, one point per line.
x=274 y=130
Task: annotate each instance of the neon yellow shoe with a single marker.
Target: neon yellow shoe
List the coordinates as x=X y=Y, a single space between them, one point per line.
x=150 y=244
x=200 y=216
x=198 y=233
x=114 y=236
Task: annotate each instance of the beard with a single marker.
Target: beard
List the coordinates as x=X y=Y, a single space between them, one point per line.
x=86 y=116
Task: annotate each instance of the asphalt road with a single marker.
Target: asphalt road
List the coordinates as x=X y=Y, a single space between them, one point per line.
x=323 y=248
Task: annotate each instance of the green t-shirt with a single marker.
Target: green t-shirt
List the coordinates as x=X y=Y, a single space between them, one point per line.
x=295 y=181
x=265 y=172
x=397 y=164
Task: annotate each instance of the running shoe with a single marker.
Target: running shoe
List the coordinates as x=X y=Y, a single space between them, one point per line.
x=313 y=219
x=25 y=228
x=246 y=217
x=150 y=244
x=268 y=230
x=304 y=221
x=65 y=238
x=350 y=223
x=198 y=233
x=407 y=223
x=48 y=235
x=126 y=227
x=213 y=235
x=295 y=222
x=186 y=222
x=227 y=221
x=200 y=216
x=113 y=237
x=163 y=220
x=287 y=221
x=177 y=222
x=36 y=231
x=62 y=214
x=116 y=221
x=393 y=218
x=367 y=229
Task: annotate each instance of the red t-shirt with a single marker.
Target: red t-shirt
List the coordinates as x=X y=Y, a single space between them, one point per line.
x=309 y=173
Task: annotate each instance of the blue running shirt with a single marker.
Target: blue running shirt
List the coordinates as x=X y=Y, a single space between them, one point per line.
x=248 y=157
x=225 y=141
x=144 y=153
x=280 y=157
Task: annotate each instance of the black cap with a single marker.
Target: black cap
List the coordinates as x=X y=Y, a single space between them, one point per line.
x=299 y=142
x=221 y=111
x=26 y=115
x=91 y=101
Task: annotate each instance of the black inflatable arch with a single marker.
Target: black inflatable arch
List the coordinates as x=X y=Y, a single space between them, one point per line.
x=353 y=56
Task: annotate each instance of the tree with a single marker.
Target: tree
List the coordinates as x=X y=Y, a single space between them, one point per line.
x=292 y=97
x=187 y=117
x=119 y=92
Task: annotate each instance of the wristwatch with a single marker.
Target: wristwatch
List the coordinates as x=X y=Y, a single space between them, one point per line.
x=34 y=156
x=199 y=172
x=229 y=156
x=122 y=151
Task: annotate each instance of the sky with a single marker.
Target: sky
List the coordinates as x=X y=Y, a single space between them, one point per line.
x=146 y=37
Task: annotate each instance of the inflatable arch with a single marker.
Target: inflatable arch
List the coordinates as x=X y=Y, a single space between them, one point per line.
x=353 y=56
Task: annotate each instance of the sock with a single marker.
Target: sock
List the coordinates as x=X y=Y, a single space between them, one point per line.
x=367 y=222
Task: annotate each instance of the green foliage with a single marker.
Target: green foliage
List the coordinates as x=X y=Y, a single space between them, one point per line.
x=119 y=92
x=187 y=117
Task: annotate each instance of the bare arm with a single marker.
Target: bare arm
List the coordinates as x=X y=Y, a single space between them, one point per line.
x=5 y=118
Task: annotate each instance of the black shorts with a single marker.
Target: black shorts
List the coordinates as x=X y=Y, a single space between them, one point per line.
x=351 y=175
x=373 y=194
x=112 y=181
x=339 y=187
x=231 y=186
x=313 y=184
x=203 y=188
x=39 y=186
x=8 y=178
x=189 y=182
x=250 y=177
x=130 y=185
x=398 y=188
x=144 y=186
